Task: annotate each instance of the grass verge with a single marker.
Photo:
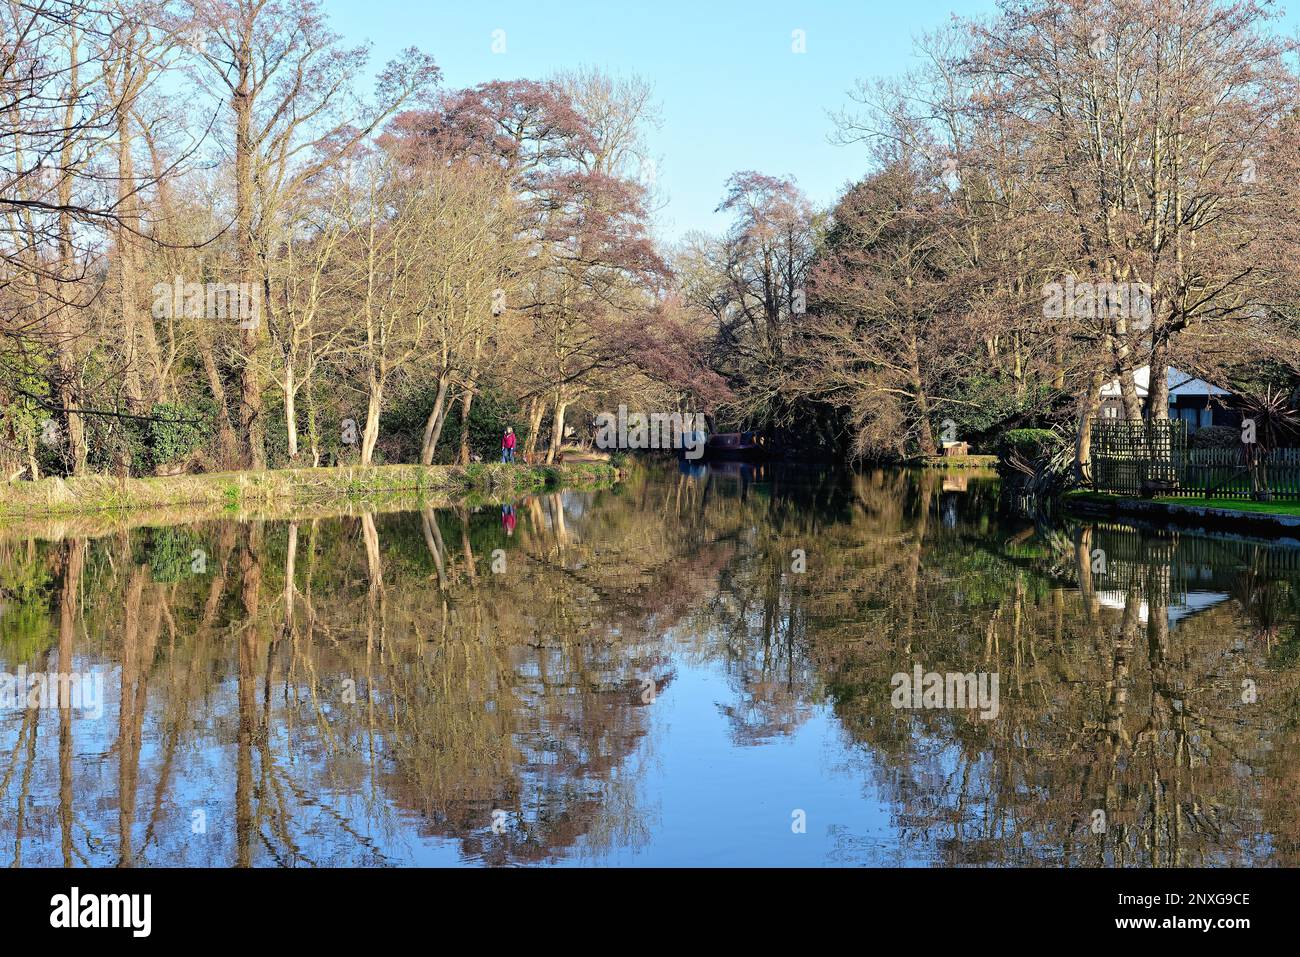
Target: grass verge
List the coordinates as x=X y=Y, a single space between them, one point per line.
x=237 y=491
x=1235 y=504
x=1226 y=504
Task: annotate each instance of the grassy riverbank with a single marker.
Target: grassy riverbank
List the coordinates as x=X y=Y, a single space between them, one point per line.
x=237 y=491
x=1218 y=504
x=955 y=461
x=1270 y=519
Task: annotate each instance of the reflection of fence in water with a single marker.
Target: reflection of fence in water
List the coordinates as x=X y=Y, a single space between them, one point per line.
x=1166 y=566
x=1133 y=559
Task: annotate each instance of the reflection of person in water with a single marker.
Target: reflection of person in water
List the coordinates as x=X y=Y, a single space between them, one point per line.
x=508 y=518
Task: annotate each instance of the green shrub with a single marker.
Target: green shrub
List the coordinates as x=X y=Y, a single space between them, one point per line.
x=1215 y=437
x=986 y=404
x=488 y=418
x=175 y=430
x=21 y=418
x=401 y=427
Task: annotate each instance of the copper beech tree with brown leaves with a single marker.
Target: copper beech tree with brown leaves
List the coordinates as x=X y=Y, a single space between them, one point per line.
x=570 y=149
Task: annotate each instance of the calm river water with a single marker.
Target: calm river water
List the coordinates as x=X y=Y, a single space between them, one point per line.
x=694 y=668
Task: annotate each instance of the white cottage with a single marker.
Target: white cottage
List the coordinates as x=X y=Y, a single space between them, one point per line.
x=1195 y=401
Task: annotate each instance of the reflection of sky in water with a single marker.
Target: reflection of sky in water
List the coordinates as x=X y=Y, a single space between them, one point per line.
x=713 y=803
x=1191 y=603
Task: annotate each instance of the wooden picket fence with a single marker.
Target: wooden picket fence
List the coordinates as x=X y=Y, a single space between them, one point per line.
x=1224 y=473
x=1128 y=456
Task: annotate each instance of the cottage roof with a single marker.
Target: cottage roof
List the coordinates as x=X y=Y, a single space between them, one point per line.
x=1180 y=384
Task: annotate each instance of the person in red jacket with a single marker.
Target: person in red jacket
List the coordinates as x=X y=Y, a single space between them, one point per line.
x=508 y=445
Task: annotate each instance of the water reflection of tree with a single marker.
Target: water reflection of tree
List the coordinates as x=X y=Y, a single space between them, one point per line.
x=1103 y=708
x=505 y=703
x=526 y=690
x=472 y=695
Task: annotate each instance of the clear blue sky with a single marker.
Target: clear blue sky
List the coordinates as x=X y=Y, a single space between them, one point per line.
x=733 y=94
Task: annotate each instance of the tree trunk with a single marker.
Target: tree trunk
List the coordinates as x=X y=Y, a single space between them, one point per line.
x=1088 y=410
x=557 y=429
x=251 y=428
x=433 y=424
x=68 y=394
x=1124 y=367
x=163 y=230
x=1158 y=386
x=370 y=437
x=535 y=412
x=925 y=432
x=467 y=400
x=131 y=380
x=1128 y=394
x=442 y=420
x=313 y=434
x=227 y=441
x=291 y=410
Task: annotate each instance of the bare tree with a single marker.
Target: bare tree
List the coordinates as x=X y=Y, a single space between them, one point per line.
x=293 y=113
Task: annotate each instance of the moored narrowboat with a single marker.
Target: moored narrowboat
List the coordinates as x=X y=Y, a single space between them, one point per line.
x=747 y=446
